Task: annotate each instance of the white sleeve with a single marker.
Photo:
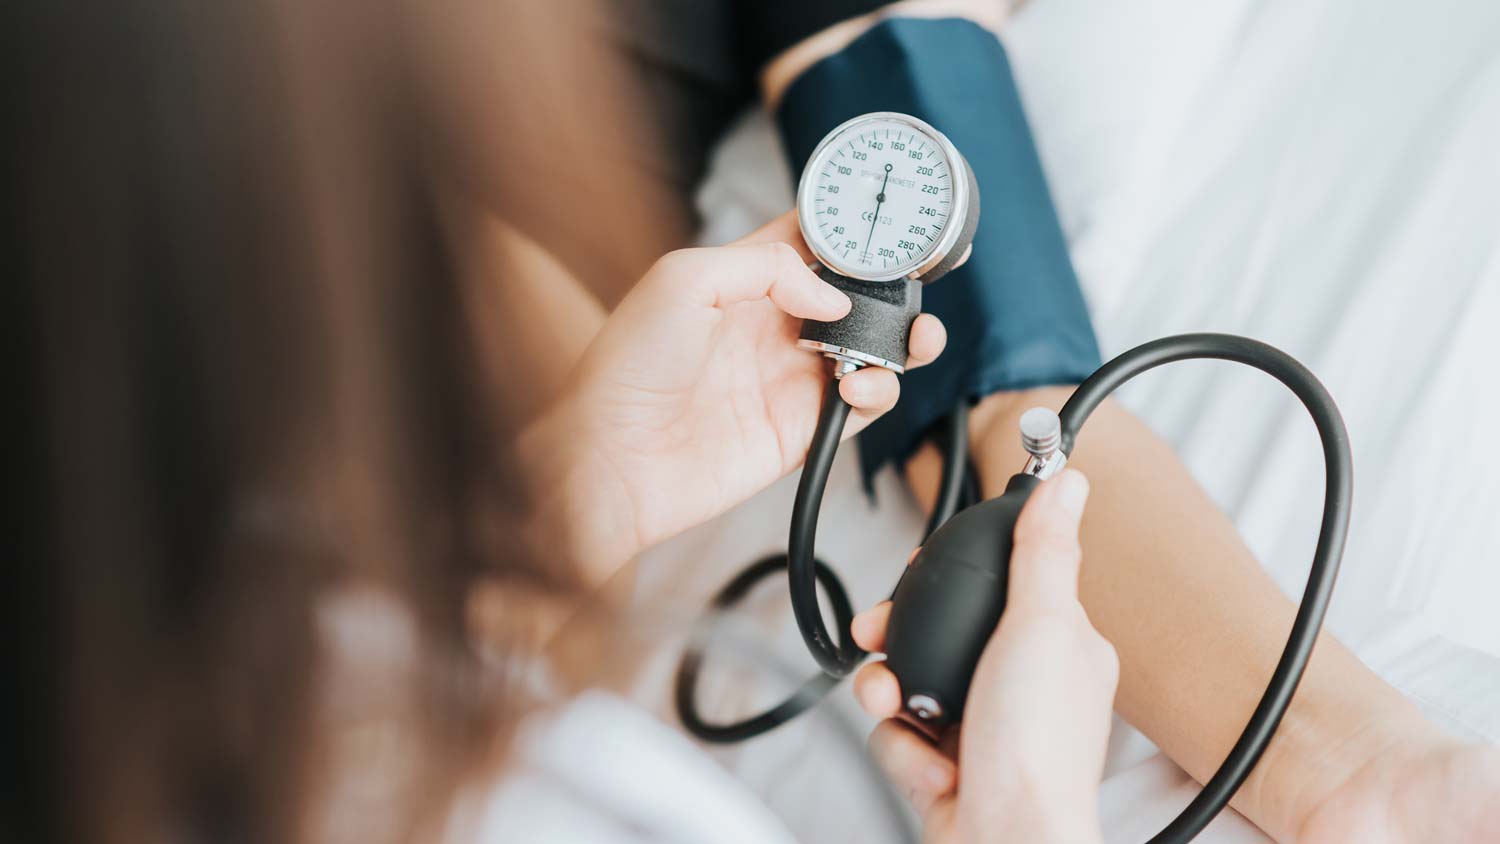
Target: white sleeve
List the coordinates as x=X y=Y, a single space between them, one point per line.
x=603 y=771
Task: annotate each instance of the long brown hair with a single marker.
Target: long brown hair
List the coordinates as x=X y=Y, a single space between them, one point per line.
x=251 y=455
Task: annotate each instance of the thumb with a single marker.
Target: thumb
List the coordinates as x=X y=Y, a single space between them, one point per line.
x=1044 y=565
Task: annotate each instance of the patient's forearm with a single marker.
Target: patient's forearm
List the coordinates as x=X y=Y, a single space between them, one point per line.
x=1197 y=623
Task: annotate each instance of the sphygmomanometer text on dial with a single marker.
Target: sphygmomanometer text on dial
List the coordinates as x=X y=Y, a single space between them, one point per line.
x=883 y=195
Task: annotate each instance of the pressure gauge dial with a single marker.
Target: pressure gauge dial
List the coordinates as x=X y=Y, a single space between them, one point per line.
x=885 y=197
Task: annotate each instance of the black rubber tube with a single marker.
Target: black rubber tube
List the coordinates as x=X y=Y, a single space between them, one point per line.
x=954 y=491
x=1337 y=502
x=837 y=659
x=959 y=489
x=808 y=694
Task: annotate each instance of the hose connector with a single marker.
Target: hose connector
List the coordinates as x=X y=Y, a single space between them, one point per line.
x=843 y=366
x=1041 y=436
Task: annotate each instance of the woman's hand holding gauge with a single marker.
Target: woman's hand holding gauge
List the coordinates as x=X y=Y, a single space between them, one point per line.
x=702 y=346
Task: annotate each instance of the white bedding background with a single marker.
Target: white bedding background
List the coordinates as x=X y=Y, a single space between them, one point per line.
x=1320 y=174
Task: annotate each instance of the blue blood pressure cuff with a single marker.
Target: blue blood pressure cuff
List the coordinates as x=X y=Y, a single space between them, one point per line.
x=1014 y=312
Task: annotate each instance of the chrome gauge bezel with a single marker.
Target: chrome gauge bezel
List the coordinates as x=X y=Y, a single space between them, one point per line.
x=807 y=190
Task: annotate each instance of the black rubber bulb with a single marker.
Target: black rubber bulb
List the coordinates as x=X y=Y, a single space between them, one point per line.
x=948 y=603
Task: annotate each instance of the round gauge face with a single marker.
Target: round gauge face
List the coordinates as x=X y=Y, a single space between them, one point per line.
x=879 y=195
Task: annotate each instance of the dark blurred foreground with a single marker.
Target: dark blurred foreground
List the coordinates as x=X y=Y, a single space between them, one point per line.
x=242 y=364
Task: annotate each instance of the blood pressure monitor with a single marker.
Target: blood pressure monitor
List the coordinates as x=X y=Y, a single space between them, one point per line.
x=886 y=203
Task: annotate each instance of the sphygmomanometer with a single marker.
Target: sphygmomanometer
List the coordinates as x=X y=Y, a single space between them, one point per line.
x=888 y=204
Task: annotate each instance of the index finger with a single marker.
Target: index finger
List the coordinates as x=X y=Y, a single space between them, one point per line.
x=720 y=276
x=783 y=229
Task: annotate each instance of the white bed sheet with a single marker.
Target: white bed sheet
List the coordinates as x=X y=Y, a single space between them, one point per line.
x=1320 y=174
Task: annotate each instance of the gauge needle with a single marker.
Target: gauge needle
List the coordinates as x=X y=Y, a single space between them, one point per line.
x=879 y=200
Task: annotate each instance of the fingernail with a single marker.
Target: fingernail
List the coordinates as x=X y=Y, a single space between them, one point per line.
x=938 y=776
x=1072 y=492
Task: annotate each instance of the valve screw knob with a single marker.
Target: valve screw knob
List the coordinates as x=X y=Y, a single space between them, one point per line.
x=1041 y=432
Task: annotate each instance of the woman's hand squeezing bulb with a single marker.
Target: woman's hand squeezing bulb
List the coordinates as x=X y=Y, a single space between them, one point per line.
x=694 y=395
x=1036 y=715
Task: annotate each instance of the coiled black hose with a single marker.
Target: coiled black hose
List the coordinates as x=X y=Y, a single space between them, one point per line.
x=958 y=486
x=1338 y=500
x=956 y=490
